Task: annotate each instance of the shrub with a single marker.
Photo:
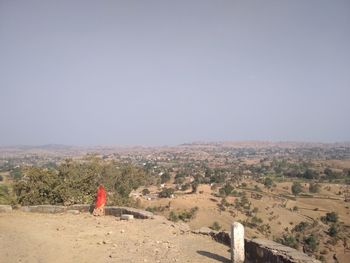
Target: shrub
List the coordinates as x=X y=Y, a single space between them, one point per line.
x=310 y=243
x=314 y=188
x=288 y=240
x=165 y=177
x=173 y=216
x=215 y=226
x=154 y=209
x=311 y=174
x=194 y=187
x=268 y=182
x=330 y=217
x=185 y=187
x=300 y=227
x=185 y=215
x=166 y=193
x=38 y=187
x=296 y=188
x=257 y=188
x=256 y=221
x=145 y=191
x=333 y=231
x=76 y=183
x=16 y=173
x=226 y=190
x=5 y=198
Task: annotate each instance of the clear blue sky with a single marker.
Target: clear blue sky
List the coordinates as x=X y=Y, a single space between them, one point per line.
x=167 y=72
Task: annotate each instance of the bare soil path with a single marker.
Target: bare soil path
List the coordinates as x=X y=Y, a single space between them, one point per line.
x=43 y=238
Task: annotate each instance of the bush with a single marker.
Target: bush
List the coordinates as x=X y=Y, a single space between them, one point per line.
x=165 y=177
x=311 y=174
x=257 y=188
x=333 y=231
x=185 y=187
x=296 y=188
x=38 y=187
x=166 y=193
x=155 y=209
x=194 y=186
x=145 y=191
x=226 y=190
x=256 y=221
x=268 y=182
x=314 y=188
x=16 y=173
x=310 y=243
x=301 y=227
x=215 y=226
x=5 y=198
x=188 y=215
x=330 y=217
x=185 y=215
x=288 y=240
x=76 y=183
x=173 y=216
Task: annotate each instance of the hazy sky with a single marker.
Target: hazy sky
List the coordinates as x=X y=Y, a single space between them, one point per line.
x=168 y=72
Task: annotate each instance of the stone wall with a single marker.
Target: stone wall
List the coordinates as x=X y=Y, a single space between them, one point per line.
x=5 y=208
x=110 y=210
x=261 y=250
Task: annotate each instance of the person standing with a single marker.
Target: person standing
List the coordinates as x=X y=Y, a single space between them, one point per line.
x=100 y=201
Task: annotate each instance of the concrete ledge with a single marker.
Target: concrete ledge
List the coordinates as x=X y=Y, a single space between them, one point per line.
x=261 y=250
x=110 y=210
x=5 y=208
x=49 y=209
x=82 y=208
x=137 y=213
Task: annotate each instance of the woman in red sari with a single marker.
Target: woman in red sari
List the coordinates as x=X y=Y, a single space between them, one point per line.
x=100 y=201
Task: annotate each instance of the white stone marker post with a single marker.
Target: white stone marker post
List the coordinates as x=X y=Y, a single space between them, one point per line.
x=237 y=243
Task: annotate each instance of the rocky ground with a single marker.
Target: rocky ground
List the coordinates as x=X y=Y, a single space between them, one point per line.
x=32 y=237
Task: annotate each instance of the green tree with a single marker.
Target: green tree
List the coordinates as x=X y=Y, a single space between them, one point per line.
x=37 y=187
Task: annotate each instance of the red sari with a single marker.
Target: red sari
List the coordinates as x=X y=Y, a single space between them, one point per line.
x=101 y=197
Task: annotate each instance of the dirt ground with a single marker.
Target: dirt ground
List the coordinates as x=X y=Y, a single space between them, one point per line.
x=41 y=238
